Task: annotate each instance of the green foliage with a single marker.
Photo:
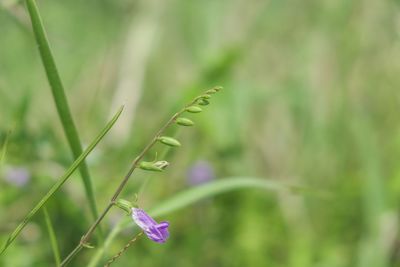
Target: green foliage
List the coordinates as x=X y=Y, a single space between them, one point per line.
x=311 y=100
x=59 y=183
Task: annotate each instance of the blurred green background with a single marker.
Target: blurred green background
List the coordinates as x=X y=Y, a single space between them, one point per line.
x=311 y=98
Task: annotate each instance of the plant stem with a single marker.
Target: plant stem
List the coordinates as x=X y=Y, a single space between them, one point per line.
x=116 y=256
x=121 y=186
x=60 y=99
x=52 y=236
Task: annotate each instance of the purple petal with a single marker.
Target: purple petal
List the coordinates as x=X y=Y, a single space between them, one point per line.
x=162 y=225
x=158 y=233
x=154 y=231
x=141 y=218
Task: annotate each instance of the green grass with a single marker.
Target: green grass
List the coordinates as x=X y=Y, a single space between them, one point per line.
x=311 y=99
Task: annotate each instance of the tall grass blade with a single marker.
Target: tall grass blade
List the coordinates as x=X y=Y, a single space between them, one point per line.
x=60 y=99
x=192 y=195
x=53 y=237
x=60 y=182
x=3 y=151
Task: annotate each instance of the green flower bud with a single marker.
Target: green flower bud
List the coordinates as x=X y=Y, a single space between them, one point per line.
x=169 y=141
x=87 y=245
x=162 y=164
x=204 y=102
x=124 y=205
x=184 y=122
x=194 y=109
x=149 y=166
x=218 y=88
x=211 y=91
x=157 y=166
x=206 y=96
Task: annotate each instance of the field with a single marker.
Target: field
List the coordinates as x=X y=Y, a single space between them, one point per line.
x=295 y=162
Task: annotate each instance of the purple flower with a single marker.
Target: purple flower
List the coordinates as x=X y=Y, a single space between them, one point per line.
x=201 y=172
x=17 y=176
x=157 y=232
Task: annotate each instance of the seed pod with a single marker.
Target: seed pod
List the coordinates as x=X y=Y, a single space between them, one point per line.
x=194 y=109
x=184 y=122
x=169 y=141
x=203 y=102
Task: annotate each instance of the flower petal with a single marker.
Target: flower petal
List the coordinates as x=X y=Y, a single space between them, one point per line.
x=141 y=218
x=158 y=232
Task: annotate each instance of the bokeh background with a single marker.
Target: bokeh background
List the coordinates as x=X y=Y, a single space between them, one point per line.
x=311 y=98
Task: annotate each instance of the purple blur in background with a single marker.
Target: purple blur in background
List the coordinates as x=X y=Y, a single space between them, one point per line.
x=201 y=172
x=17 y=176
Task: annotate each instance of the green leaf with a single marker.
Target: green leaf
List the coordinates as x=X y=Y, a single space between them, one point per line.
x=60 y=99
x=60 y=182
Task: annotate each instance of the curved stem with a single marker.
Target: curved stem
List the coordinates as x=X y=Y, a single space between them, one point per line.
x=121 y=186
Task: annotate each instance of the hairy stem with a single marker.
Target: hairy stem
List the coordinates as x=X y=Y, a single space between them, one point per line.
x=116 y=256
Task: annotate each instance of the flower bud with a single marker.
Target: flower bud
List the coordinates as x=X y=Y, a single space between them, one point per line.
x=124 y=205
x=194 y=109
x=211 y=91
x=204 y=102
x=162 y=164
x=184 y=122
x=218 y=88
x=157 y=166
x=169 y=141
x=206 y=96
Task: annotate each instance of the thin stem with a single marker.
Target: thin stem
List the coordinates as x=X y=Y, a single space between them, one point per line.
x=116 y=256
x=121 y=186
x=71 y=255
x=60 y=99
x=53 y=238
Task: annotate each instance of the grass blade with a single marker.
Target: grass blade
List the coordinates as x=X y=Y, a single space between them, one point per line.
x=191 y=196
x=60 y=182
x=60 y=99
x=53 y=238
x=3 y=151
x=194 y=194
